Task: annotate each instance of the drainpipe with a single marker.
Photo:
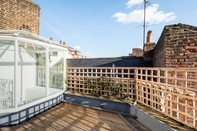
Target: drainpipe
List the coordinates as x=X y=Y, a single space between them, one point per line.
x=114 y=75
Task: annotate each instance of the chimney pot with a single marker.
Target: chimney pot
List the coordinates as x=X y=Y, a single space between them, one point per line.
x=64 y=43
x=51 y=38
x=60 y=41
x=149 y=36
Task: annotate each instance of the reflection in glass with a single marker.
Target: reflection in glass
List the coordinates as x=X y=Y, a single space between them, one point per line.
x=56 y=70
x=31 y=72
x=6 y=74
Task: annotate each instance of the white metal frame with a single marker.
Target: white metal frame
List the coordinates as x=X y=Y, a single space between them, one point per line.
x=44 y=42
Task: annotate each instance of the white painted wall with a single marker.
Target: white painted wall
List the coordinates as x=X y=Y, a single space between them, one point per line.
x=35 y=93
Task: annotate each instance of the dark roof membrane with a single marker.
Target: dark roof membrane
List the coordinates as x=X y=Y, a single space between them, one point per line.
x=108 y=62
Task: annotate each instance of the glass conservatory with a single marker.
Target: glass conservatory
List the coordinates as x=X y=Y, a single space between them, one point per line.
x=32 y=69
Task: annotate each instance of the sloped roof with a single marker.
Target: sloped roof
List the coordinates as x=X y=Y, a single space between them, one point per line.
x=27 y=34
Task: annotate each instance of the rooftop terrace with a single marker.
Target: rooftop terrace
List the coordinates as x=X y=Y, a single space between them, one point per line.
x=72 y=117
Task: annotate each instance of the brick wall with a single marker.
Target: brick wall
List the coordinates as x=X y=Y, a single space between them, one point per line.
x=177 y=47
x=159 y=52
x=17 y=13
x=136 y=52
x=148 y=50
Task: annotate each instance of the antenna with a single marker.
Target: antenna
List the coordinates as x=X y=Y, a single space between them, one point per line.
x=144 y=26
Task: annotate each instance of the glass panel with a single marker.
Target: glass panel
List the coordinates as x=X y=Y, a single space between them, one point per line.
x=6 y=74
x=31 y=72
x=56 y=69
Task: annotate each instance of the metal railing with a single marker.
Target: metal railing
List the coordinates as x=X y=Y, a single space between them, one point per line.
x=6 y=94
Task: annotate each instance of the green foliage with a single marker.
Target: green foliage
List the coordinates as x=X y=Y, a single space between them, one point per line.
x=91 y=84
x=105 y=83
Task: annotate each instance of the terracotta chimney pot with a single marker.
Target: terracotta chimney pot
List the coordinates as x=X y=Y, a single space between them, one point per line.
x=149 y=36
x=51 y=38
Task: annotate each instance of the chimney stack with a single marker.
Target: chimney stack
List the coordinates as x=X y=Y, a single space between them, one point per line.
x=149 y=36
x=148 y=47
x=64 y=43
x=60 y=41
x=51 y=38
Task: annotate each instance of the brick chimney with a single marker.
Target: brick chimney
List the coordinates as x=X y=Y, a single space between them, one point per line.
x=64 y=43
x=136 y=52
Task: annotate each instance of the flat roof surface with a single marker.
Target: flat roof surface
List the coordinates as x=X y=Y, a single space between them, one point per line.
x=70 y=117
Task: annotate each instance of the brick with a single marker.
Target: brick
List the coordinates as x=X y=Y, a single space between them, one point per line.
x=189 y=60
x=180 y=60
x=180 y=57
x=180 y=54
x=15 y=13
x=181 y=65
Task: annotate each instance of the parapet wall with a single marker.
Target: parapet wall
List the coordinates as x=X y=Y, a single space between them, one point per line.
x=16 y=14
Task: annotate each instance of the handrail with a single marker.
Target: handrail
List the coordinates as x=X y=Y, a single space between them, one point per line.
x=6 y=93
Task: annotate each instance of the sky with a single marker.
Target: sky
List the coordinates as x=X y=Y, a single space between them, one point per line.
x=110 y=28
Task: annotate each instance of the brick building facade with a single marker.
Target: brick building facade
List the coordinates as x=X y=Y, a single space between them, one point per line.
x=177 y=47
x=16 y=14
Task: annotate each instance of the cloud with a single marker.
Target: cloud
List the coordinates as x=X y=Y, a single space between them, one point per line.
x=77 y=47
x=131 y=3
x=153 y=16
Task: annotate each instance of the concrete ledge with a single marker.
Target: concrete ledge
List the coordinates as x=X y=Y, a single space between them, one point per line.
x=25 y=114
x=119 y=107
x=149 y=121
x=142 y=117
